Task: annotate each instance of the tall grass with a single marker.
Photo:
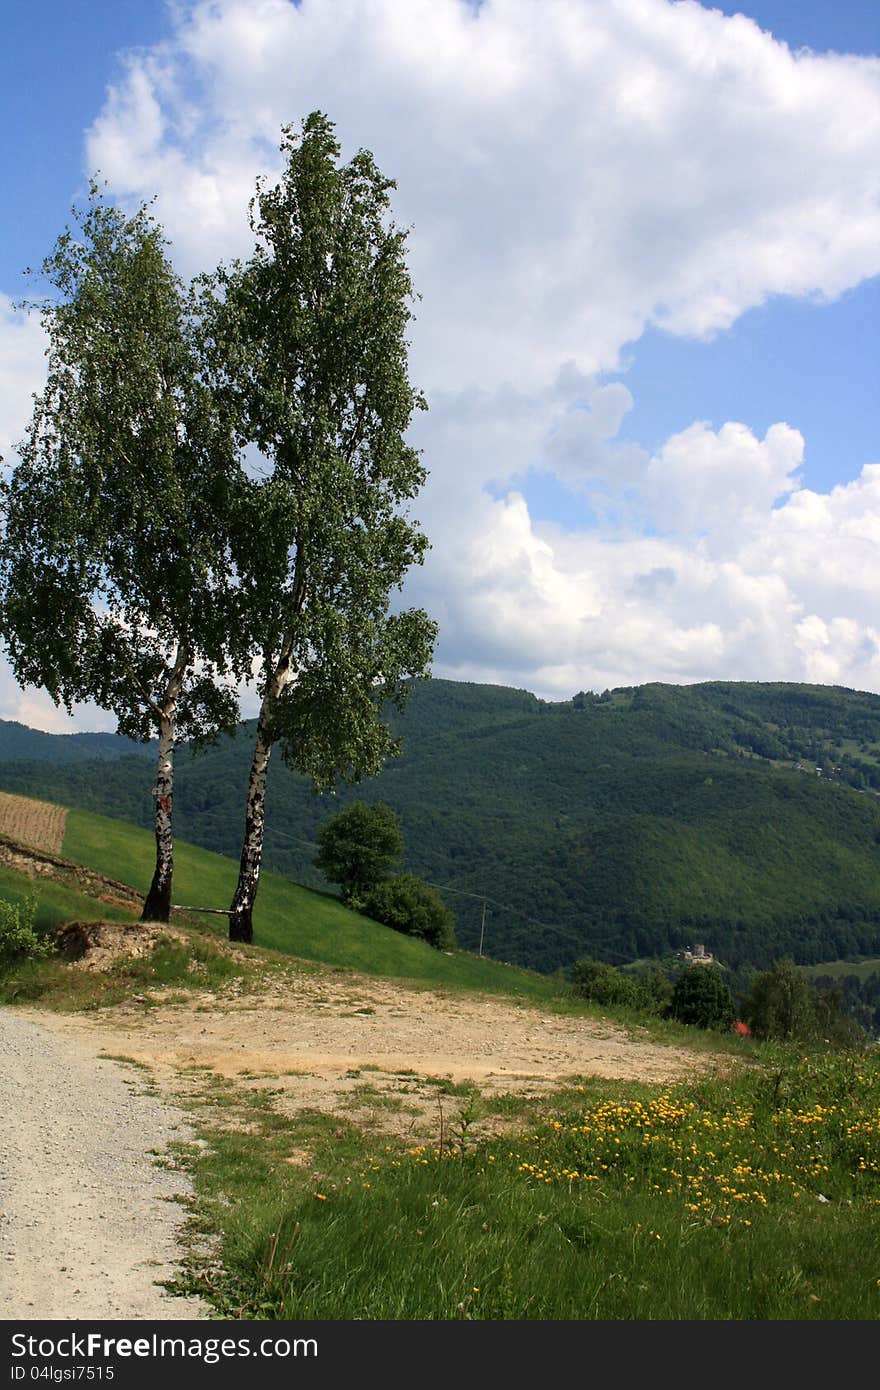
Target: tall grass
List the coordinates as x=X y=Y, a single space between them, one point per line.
x=753 y=1199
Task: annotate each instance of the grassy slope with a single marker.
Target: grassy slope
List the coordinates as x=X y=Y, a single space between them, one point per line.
x=56 y=902
x=841 y=968
x=288 y=918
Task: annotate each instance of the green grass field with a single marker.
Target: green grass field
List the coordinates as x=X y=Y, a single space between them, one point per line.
x=751 y=1197
x=840 y=968
x=56 y=903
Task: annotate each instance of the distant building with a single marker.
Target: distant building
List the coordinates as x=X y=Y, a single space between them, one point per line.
x=698 y=956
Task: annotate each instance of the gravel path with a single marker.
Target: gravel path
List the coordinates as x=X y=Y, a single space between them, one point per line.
x=87 y=1224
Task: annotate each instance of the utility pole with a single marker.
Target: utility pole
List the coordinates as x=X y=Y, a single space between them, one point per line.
x=482 y=926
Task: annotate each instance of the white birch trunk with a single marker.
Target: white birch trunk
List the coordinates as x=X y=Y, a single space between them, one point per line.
x=241 y=924
x=157 y=905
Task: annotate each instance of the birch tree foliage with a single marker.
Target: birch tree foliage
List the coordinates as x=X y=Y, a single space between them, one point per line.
x=116 y=580
x=310 y=349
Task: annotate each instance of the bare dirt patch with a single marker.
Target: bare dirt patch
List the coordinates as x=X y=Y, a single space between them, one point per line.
x=35 y=824
x=98 y=946
x=371 y=1050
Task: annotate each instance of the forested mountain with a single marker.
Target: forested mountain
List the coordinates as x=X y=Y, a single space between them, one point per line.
x=621 y=825
x=17 y=741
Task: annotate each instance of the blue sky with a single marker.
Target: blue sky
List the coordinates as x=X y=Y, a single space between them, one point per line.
x=58 y=59
x=650 y=346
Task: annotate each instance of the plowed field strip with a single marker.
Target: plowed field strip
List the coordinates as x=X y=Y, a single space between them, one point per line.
x=37 y=824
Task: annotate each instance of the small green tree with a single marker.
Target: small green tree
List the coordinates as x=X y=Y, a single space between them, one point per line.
x=410 y=905
x=782 y=1005
x=359 y=847
x=655 y=989
x=702 y=998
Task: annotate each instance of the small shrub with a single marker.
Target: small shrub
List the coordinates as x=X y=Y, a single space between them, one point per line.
x=410 y=905
x=701 y=997
x=18 y=938
x=655 y=990
x=780 y=1004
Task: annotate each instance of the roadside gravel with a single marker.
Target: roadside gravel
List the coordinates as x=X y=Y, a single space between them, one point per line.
x=88 y=1221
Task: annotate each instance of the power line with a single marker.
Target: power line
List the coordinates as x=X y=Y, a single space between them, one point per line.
x=484 y=898
x=465 y=893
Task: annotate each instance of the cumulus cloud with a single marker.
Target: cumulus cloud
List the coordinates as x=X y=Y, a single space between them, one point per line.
x=575 y=170
x=721 y=484
x=582 y=451
x=826 y=546
x=733 y=572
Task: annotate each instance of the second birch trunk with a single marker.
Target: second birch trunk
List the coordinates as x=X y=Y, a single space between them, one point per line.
x=157 y=905
x=241 y=912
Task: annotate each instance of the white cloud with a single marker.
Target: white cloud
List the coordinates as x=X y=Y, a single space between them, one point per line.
x=831 y=650
x=22 y=372
x=581 y=449
x=35 y=709
x=826 y=546
x=735 y=574
x=720 y=484
x=575 y=170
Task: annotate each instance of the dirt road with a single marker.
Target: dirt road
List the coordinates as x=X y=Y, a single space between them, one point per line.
x=85 y=1231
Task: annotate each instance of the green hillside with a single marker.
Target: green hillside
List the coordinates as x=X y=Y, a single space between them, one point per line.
x=624 y=825
x=291 y=919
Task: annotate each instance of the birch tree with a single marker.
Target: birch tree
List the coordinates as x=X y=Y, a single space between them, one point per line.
x=115 y=572
x=310 y=347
